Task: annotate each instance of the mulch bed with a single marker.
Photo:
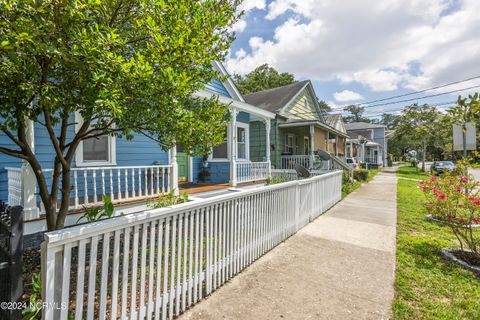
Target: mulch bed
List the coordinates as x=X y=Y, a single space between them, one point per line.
x=31 y=265
x=466 y=259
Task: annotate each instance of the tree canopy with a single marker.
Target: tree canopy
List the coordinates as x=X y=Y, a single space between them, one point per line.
x=125 y=66
x=356 y=112
x=262 y=78
x=422 y=127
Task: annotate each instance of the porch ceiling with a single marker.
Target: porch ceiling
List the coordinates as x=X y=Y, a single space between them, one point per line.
x=318 y=124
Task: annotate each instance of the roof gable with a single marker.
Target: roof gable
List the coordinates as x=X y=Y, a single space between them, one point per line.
x=303 y=105
x=295 y=101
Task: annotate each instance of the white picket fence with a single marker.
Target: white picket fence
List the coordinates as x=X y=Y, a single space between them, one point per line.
x=156 y=264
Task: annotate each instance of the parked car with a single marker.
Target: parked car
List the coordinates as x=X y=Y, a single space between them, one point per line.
x=439 y=167
x=352 y=163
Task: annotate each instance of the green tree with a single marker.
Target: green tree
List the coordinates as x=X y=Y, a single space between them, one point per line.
x=389 y=120
x=356 y=112
x=421 y=127
x=125 y=66
x=262 y=78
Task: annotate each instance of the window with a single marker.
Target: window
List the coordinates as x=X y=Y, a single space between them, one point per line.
x=306 y=145
x=95 y=151
x=289 y=143
x=221 y=151
x=241 y=144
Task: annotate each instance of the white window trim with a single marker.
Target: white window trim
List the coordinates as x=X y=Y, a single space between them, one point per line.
x=247 y=141
x=112 y=152
x=293 y=146
x=243 y=125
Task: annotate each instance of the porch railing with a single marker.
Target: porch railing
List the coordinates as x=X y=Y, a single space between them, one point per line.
x=14 y=176
x=288 y=162
x=158 y=263
x=89 y=184
x=252 y=171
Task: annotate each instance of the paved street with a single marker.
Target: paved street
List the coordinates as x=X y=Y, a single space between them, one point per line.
x=340 y=266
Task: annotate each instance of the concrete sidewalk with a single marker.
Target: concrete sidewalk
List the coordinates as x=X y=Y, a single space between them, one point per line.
x=340 y=266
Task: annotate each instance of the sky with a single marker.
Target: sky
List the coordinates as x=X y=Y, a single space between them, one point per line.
x=358 y=51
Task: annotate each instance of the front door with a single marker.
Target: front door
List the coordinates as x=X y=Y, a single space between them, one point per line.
x=182 y=163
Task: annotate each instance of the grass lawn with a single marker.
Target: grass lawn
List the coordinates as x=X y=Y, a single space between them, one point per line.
x=427 y=286
x=412 y=173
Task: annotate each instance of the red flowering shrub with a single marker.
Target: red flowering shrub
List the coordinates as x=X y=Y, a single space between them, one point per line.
x=455 y=200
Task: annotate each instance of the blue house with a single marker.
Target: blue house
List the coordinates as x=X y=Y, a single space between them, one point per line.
x=131 y=171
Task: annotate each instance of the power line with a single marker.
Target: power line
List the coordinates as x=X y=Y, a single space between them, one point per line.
x=423 y=97
x=421 y=91
x=386 y=111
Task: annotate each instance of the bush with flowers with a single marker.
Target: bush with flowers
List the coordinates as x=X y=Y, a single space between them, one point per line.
x=454 y=199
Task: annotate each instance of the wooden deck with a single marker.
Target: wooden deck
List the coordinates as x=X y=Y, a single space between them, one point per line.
x=192 y=188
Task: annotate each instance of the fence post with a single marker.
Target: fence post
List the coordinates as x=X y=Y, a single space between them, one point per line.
x=29 y=199
x=173 y=162
x=297 y=205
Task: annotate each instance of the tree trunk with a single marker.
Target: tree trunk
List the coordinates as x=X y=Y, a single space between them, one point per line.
x=65 y=202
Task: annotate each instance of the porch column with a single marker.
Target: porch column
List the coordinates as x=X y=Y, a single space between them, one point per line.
x=233 y=149
x=29 y=181
x=379 y=156
x=351 y=149
x=336 y=145
x=312 y=145
x=267 y=146
x=173 y=162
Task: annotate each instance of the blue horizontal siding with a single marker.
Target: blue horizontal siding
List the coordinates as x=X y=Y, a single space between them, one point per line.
x=216 y=86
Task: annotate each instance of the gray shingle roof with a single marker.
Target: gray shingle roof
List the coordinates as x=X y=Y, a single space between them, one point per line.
x=362 y=125
x=275 y=99
x=335 y=121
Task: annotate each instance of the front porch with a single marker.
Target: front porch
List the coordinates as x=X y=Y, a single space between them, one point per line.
x=302 y=139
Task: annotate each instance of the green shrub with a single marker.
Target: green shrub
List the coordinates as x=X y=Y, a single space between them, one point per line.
x=360 y=175
x=167 y=200
x=277 y=179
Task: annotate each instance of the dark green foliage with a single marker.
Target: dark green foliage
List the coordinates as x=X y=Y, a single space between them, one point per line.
x=125 y=66
x=277 y=179
x=360 y=174
x=262 y=78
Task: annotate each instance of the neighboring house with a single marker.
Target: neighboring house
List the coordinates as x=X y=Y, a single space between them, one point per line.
x=299 y=129
x=368 y=142
x=129 y=171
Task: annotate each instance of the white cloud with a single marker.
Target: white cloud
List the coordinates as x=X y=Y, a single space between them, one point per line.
x=382 y=44
x=347 y=95
x=248 y=5
x=239 y=26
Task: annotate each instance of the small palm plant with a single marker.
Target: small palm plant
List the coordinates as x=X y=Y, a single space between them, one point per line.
x=92 y=214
